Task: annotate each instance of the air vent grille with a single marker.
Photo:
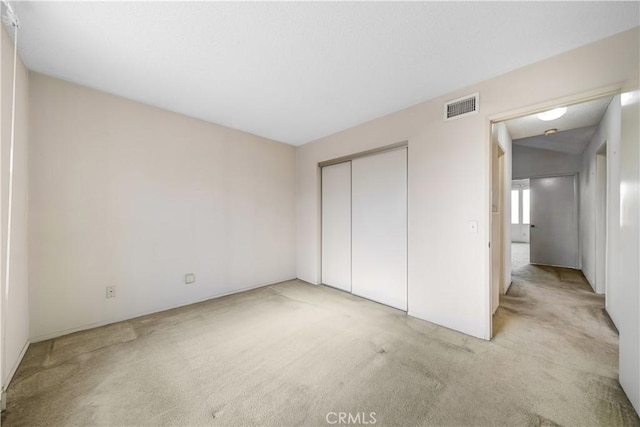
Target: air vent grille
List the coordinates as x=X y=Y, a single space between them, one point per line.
x=461 y=107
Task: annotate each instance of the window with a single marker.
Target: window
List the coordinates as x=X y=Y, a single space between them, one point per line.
x=526 y=194
x=520 y=205
x=515 y=206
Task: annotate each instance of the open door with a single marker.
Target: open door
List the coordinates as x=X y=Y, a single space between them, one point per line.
x=497 y=225
x=554 y=221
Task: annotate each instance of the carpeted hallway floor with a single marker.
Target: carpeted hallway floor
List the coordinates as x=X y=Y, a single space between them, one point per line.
x=291 y=353
x=519 y=255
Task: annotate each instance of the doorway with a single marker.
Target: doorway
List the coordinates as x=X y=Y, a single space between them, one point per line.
x=520 y=223
x=497 y=224
x=554 y=222
x=556 y=205
x=544 y=222
x=601 y=219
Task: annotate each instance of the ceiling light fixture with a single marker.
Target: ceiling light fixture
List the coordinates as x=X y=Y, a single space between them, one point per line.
x=550 y=132
x=556 y=113
x=628 y=98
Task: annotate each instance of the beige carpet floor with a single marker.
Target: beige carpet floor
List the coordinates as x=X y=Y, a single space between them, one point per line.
x=519 y=255
x=291 y=353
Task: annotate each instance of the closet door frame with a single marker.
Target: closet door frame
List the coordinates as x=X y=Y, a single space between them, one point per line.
x=348 y=158
x=403 y=144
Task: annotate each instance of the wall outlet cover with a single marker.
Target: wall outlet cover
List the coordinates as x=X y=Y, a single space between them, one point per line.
x=111 y=291
x=189 y=278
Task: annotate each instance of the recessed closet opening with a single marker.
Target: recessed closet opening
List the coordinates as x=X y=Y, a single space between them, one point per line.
x=364 y=225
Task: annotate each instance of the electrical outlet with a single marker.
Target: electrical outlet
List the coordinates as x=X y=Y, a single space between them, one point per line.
x=189 y=278
x=111 y=291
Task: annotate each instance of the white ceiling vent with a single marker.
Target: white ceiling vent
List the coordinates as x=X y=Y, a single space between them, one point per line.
x=462 y=107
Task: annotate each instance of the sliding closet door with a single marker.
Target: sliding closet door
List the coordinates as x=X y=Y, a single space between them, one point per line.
x=379 y=227
x=336 y=226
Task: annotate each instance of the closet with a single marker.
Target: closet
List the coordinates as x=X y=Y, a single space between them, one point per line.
x=364 y=226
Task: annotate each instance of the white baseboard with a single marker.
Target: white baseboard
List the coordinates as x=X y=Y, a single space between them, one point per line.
x=12 y=372
x=507 y=288
x=134 y=316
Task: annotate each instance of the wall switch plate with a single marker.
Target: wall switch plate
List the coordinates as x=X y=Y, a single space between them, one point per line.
x=473 y=226
x=189 y=278
x=111 y=291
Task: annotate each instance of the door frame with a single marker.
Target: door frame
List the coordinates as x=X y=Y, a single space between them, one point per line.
x=490 y=120
x=601 y=218
x=497 y=224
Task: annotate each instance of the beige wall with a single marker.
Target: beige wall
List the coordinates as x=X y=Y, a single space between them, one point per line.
x=127 y=195
x=448 y=177
x=627 y=263
x=535 y=162
x=15 y=299
x=608 y=131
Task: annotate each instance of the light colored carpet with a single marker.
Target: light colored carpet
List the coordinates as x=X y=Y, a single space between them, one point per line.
x=519 y=255
x=288 y=354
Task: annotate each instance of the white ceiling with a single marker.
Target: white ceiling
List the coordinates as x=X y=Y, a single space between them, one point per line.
x=295 y=72
x=575 y=128
x=572 y=141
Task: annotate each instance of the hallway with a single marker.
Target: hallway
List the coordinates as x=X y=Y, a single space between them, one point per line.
x=552 y=315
